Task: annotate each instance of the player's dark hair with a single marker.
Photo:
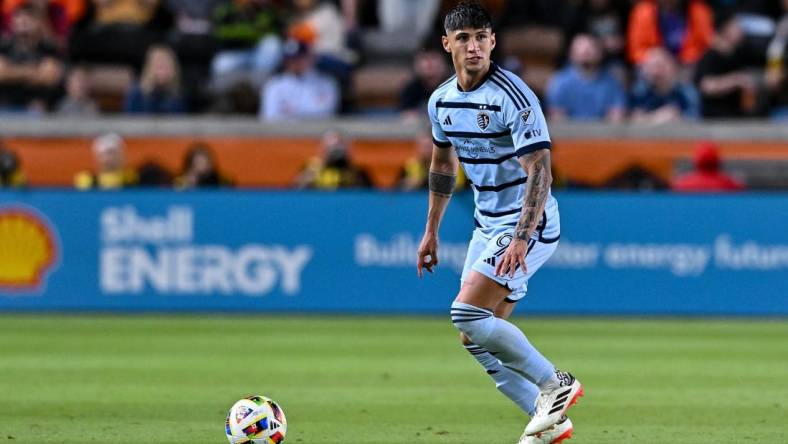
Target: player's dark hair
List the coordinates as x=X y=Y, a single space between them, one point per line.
x=467 y=14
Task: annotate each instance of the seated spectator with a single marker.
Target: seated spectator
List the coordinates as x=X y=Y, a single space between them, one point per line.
x=191 y=37
x=111 y=172
x=77 y=102
x=707 y=175
x=200 y=169
x=151 y=174
x=319 y=24
x=585 y=90
x=11 y=175
x=159 y=88
x=118 y=31
x=605 y=20
x=776 y=77
x=59 y=15
x=415 y=17
x=683 y=27
x=247 y=32
x=726 y=87
x=659 y=96
x=334 y=169
x=300 y=92
x=30 y=66
x=429 y=70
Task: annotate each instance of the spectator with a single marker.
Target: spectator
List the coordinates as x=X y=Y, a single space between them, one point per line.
x=334 y=169
x=191 y=37
x=412 y=17
x=118 y=31
x=726 y=88
x=300 y=92
x=585 y=90
x=660 y=96
x=77 y=102
x=11 y=175
x=605 y=20
x=111 y=172
x=30 y=66
x=707 y=175
x=683 y=27
x=152 y=174
x=777 y=67
x=159 y=88
x=200 y=170
x=414 y=174
x=58 y=15
x=429 y=70
x=247 y=32
x=320 y=25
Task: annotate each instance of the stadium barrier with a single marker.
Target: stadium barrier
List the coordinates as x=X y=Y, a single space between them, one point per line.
x=256 y=154
x=656 y=254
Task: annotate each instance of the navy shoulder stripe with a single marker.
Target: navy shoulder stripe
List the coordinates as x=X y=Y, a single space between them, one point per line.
x=503 y=77
x=517 y=103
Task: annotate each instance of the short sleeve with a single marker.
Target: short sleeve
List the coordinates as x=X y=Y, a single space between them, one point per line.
x=522 y=114
x=438 y=136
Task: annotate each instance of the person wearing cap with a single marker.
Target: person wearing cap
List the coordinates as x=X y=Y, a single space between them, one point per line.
x=707 y=176
x=111 y=172
x=300 y=91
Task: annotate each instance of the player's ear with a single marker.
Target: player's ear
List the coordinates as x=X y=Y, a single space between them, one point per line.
x=492 y=41
x=446 y=43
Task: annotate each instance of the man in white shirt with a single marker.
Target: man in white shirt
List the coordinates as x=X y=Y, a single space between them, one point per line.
x=300 y=91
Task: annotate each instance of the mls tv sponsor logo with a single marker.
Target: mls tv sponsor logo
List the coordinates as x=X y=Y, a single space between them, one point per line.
x=159 y=253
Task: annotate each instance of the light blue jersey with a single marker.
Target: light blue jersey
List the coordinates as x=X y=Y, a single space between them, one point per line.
x=490 y=127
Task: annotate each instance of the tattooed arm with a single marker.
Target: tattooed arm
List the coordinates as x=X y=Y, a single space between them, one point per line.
x=537 y=166
x=443 y=174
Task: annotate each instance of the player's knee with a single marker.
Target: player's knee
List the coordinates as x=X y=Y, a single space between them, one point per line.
x=474 y=323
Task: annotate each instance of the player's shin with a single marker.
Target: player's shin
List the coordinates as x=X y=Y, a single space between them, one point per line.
x=507 y=341
x=513 y=385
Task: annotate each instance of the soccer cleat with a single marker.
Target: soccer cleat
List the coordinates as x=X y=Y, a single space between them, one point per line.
x=552 y=404
x=553 y=435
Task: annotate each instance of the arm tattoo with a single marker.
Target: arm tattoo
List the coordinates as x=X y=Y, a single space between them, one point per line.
x=536 y=189
x=442 y=183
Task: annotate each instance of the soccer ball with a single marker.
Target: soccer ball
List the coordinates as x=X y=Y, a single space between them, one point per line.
x=255 y=420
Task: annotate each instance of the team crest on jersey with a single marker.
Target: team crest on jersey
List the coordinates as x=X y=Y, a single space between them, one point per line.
x=483 y=120
x=527 y=116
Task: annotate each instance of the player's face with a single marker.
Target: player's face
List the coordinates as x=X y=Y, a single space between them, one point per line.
x=470 y=48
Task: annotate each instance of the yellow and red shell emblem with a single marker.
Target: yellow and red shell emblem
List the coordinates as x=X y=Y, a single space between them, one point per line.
x=28 y=249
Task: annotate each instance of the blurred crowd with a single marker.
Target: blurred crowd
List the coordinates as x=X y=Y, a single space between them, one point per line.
x=649 y=61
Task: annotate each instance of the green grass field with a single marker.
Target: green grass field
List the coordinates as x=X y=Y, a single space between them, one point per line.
x=149 y=379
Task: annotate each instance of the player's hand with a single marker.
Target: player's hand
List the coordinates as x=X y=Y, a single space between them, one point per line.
x=513 y=257
x=428 y=253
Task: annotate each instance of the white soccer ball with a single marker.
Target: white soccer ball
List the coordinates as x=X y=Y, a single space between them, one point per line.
x=255 y=420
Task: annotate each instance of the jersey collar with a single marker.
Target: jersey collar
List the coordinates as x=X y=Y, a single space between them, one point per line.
x=490 y=72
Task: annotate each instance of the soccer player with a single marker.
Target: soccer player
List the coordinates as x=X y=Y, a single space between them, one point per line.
x=488 y=120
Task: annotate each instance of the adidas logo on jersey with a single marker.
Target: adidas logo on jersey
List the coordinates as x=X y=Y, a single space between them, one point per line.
x=490 y=261
x=447 y=121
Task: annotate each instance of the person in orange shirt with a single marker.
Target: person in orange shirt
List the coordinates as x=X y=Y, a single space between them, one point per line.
x=683 y=27
x=707 y=176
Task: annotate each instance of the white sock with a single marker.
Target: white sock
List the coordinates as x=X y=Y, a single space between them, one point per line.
x=520 y=390
x=505 y=341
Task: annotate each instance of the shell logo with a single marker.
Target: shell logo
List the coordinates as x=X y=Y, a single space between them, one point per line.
x=28 y=249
